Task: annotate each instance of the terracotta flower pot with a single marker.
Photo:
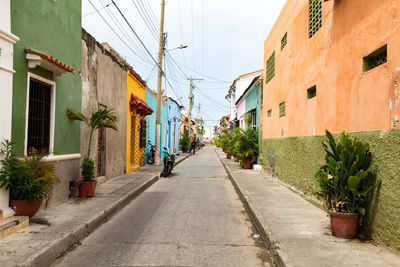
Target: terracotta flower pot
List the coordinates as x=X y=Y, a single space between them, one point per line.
x=184 y=150
x=344 y=225
x=228 y=156
x=224 y=151
x=247 y=164
x=236 y=159
x=24 y=207
x=87 y=189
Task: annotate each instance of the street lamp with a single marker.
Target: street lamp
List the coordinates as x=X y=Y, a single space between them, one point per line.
x=179 y=47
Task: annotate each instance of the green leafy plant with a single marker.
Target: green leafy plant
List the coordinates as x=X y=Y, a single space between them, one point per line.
x=103 y=118
x=29 y=179
x=346 y=179
x=185 y=142
x=87 y=169
x=247 y=143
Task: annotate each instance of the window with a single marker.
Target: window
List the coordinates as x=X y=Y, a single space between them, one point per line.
x=283 y=41
x=314 y=17
x=270 y=67
x=375 y=59
x=253 y=115
x=312 y=92
x=39 y=115
x=269 y=113
x=282 y=110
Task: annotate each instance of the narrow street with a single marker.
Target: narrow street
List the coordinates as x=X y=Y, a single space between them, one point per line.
x=192 y=218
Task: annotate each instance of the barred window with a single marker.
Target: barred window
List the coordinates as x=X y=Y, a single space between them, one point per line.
x=270 y=67
x=314 y=17
x=39 y=117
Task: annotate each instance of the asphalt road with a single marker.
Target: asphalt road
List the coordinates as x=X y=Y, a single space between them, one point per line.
x=192 y=218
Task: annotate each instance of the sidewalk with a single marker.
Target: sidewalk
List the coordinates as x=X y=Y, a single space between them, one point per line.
x=53 y=231
x=296 y=232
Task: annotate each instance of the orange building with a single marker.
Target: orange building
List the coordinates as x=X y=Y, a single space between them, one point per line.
x=332 y=65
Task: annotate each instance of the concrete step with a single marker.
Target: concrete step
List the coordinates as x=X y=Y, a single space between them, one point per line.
x=11 y=225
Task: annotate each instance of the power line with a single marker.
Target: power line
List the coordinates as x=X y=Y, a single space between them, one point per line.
x=148 y=23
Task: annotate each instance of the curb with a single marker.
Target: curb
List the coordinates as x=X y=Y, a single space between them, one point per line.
x=48 y=255
x=280 y=257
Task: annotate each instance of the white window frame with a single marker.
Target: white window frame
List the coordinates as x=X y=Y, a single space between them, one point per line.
x=52 y=85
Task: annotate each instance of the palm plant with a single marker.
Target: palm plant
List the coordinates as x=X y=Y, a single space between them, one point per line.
x=103 y=118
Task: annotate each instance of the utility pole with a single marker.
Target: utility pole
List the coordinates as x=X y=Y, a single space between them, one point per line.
x=190 y=103
x=159 y=83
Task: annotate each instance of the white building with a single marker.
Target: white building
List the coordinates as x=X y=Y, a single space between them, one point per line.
x=237 y=89
x=7 y=41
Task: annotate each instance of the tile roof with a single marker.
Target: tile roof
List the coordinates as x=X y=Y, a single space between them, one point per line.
x=50 y=59
x=140 y=106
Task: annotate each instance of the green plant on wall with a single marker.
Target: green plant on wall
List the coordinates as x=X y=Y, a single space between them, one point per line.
x=346 y=179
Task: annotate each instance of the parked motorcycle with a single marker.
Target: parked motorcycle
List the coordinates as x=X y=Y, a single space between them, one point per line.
x=169 y=161
x=150 y=154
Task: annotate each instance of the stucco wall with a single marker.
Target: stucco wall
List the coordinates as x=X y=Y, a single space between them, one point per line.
x=53 y=28
x=295 y=160
x=174 y=120
x=104 y=84
x=151 y=100
x=347 y=98
x=241 y=112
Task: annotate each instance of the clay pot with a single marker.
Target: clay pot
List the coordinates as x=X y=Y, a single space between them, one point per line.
x=236 y=159
x=184 y=150
x=224 y=151
x=24 y=207
x=228 y=156
x=344 y=225
x=87 y=189
x=247 y=164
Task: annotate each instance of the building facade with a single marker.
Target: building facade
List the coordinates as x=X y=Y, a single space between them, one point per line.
x=7 y=41
x=136 y=121
x=151 y=101
x=103 y=86
x=174 y=123
x=47 y=60
x=335 y=65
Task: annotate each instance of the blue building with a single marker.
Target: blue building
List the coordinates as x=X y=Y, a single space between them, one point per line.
x=173 y=125
x=151 y=100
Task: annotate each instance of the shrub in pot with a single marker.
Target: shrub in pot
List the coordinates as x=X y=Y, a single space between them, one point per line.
x=103 y=118
x=29 y=180
x=247 y=146
x=346 y=180
x=185 y=143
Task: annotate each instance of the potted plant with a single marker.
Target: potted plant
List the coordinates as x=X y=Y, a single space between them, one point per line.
x=185 y=143
x=346 y=180
x=234 y=146
x=103 y=118
x=29 y=180
x=247 y=146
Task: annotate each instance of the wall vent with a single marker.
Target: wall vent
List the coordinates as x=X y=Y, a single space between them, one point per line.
x=284 y=41
x=282 y=110
x=375 y=59
x=270 y=68
x=314 y=17
x=312 y=92
x=269 y=113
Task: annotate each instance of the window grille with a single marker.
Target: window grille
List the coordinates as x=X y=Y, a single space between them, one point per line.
x=314 y=17
x=375 y=59
x=253 y=115
x=269 y=113
x=284 y=41
x=39 y=117
x=282 y=110
x=142 y=143
x=312 y=92
x=270 y=67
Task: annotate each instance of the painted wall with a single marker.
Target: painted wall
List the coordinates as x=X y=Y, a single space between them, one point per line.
x=7 y=41
x=164 y=126
x=104 y=85
x=241 y=112
x=347 y=98
x=295 y=160
x=174 y=122
x=53 y=28
x=151 y=100
x=138 y=88
x=253 y=100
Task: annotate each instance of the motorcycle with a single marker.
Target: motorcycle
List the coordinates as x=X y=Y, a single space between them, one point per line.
x=169 y=161
x=150 y=155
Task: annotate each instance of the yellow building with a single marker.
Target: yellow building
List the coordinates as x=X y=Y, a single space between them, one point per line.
x=136 y=122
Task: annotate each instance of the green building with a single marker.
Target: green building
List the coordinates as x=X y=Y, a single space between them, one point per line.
x=47 y=61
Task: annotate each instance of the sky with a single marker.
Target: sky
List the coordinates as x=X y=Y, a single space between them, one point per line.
x=225 y=39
